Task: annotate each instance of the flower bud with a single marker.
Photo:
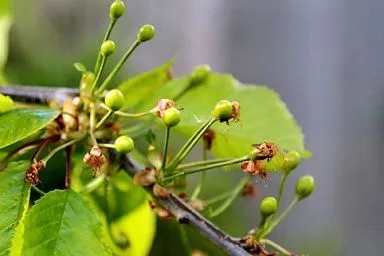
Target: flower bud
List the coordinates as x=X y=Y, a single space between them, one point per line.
x=117 y=9
x=268 y=206
x=305 y=186
x=200 y=74
x=107 y=48
x=114 y=99
x=171 y=117
x=222 y=110
x=146 y=33
x=124 y=144
x=291 y=160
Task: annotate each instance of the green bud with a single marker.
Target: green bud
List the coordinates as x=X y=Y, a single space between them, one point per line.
x=146 y=33
x=268 y=206
x=107 y=48
x=200 y=74
x=305 y=186
x=117 y=9
x=124 y=144
x=291 y=160
x=222 y=110
x=114 y=99
x=171 y=117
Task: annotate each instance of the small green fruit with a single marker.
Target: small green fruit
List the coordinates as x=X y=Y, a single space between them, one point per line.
x=107 y=48
x=222 y=110
x=114 y=100
x=171 y=117
x=305 y=186
x=291 y=160
x=200 y=74
x=146 y=33
x=117 y=9
x=268 y=206
x=124 y=144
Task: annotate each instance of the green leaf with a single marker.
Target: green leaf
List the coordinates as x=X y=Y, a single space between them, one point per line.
x=62 y=223
x=17 y=124
x=5 y=25
x=13 y=204
x=6 y=103
x=137 y=89
x=263 y=115
x=130 y=215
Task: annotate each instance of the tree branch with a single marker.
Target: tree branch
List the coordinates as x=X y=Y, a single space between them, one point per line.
x=183 y=213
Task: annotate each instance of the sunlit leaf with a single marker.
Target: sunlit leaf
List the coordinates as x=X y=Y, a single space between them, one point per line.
x=263 y=115
x=62 y=223
x=6 y=103
x=13 y=204
x=17 y=124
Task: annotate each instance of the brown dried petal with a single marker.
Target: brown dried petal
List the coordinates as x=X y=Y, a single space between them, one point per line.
x=95 y=159
x=249 y=190
x=208 y=137
x=32 y=176
x=162 y=105
x=145 y=177
x=266 y=150
x=197 y=204
x=235 y=115
x=160 y=191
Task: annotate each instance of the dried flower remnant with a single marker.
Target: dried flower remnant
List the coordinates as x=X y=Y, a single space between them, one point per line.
x=95 y=159
x=32 y=176
x=208 y=138
x=197 y=204
x=249 y=190
x=160 y=191
x=265 y=150
x=235 y=115
x=145 y=177
x=255 y=167
x=162 y=105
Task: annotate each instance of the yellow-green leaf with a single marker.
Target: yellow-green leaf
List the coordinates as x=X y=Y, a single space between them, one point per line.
x=13 y=203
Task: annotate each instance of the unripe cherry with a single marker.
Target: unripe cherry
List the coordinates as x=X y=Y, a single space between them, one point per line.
x=200 y=74
x=305 y=186
x=268 y=206
x=107 y=48
x=171 y=117
x=291 y=160
x=117 y=9
x=146 y=33
x=222 y=110
x=114 y=99
x=124 y=144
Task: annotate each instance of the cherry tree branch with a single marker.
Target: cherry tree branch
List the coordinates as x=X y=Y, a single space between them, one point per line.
x=182 y=212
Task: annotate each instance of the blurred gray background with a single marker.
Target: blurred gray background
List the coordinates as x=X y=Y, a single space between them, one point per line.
x=324 y=57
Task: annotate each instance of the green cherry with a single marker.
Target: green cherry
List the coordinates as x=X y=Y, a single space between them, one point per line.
x=171 y=117
x=200 y=74
x=107 y=48
x=268 y=206
x=222 y=110
x=291 y=160
x=117 y=9
x=124 y=144
x=304 y=186
x=114 y=99
x=146 y=33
